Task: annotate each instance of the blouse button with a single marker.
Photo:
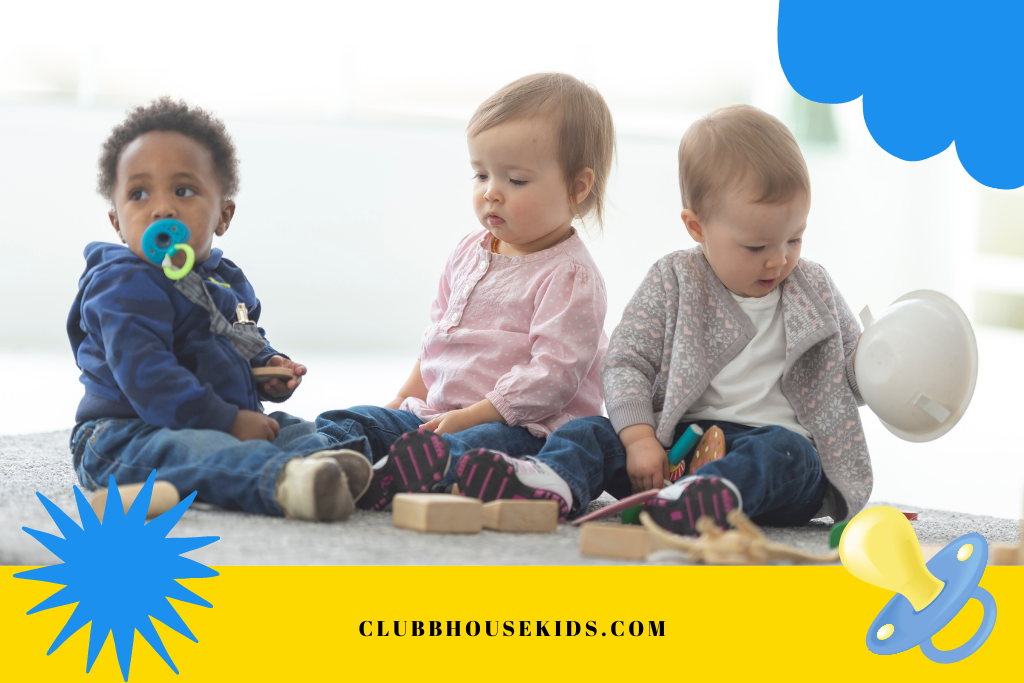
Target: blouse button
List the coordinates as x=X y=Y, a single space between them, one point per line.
x=483 y=265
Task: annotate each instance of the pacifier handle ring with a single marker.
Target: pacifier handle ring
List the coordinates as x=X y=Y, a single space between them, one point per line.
x=988 y=622
x=190 y=260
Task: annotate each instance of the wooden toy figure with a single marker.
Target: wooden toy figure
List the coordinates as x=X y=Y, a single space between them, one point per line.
x=745 y=544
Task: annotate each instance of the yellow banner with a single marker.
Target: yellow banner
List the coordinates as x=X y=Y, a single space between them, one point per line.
x=517 y=623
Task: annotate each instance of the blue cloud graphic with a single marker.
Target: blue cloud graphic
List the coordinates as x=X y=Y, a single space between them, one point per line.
x=931 y=74
x=120 y=573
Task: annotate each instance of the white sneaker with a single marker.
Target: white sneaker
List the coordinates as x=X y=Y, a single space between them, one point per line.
x=490 y=475
x=314 y=489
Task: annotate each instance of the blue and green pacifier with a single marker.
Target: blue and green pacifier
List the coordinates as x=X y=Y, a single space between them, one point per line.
x=162 y=240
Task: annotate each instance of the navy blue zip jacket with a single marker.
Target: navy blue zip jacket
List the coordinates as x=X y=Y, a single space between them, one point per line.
x=146 y=351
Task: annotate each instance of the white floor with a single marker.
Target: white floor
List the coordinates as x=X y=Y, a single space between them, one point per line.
x=976 y=468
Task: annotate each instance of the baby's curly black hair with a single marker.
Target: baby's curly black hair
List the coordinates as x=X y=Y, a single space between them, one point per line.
x=165 y=114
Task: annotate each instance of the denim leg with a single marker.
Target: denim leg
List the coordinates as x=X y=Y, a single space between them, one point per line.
x=776 y=470
x=223 y=471
x=515 y=442
x=587 y=453
x=296 y=432
x=371 y=430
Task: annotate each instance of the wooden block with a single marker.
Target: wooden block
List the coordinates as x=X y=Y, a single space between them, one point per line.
x=165 y=496
x=520 y=516
x=1004 y=554
x=438 y=513
x=614 y=540
x=268 y=373
x=912 y=516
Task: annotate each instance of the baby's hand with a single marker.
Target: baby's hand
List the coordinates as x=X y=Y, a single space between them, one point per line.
x=278 y=387
x=646 y=460
x=250 y=425
x=464 y=418
x=450 y=422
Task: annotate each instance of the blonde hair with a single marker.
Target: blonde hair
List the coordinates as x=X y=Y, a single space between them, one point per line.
x=735 y=144
x=583 y=127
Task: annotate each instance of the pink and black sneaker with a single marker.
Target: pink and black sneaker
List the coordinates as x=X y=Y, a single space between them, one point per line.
x=677 y=508
x=490 y=475
x=416 y=463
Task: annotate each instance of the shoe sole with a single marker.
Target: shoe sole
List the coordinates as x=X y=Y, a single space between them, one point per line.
x=356 y=467
x=328 y=484
x=487 y=476
x=416 y=463
x=708 y=497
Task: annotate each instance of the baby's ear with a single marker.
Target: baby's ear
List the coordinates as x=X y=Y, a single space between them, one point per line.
x=693 y=225
x=112 y=215
x=582 y=185
x=227 y=212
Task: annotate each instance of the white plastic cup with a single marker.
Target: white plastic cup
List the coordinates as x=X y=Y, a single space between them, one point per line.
x=917 y=364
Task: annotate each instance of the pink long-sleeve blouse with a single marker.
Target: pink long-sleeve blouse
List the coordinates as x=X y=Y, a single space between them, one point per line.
x=524 y=332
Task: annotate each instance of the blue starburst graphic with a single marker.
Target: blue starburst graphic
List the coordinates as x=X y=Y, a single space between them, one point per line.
x=120 y=573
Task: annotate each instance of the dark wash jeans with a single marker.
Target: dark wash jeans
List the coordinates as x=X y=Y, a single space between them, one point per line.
x=226 y=472
x=574 y=451
x=777 y=471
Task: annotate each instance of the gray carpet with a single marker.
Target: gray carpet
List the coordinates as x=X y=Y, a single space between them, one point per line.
x=42 y=462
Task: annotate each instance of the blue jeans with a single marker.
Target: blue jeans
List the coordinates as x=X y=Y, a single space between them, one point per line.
x=226 y=472
x=573 y=451
x=777 y=471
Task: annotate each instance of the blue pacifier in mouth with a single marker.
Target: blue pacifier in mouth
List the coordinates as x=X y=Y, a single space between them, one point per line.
x=162 y=240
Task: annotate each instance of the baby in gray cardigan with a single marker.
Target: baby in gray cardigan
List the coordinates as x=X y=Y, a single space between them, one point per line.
x=742 y=333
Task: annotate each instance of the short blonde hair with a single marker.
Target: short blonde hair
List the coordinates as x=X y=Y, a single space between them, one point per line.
x=583 y=127
x=738 y=144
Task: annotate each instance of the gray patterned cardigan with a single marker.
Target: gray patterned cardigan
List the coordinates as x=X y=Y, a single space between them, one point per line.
x=682 y=327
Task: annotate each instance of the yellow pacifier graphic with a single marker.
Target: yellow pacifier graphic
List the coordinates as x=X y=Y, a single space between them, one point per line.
x=879 y=547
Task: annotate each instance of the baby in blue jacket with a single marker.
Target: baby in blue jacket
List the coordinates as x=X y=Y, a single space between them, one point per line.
x=167 y=372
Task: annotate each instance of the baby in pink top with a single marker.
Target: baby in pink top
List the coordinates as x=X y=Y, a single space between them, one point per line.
x=524 y=333
x=517 y=327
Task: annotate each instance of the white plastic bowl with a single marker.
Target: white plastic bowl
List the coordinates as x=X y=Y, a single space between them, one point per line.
x=917 y=364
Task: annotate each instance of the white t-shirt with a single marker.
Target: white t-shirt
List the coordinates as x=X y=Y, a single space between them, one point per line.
x=749 y=389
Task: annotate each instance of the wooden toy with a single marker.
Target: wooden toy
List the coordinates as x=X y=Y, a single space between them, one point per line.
x=710 y=448
x=912 y=516
x=836 y=533
x=744 y=544
x=617 y=506
x=682 y=448
x=1006 y=553
x=165 y=496
x=1003 y=554
x=438 y=513
x=268 y=373
x=615 y=541
x=537 y=516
